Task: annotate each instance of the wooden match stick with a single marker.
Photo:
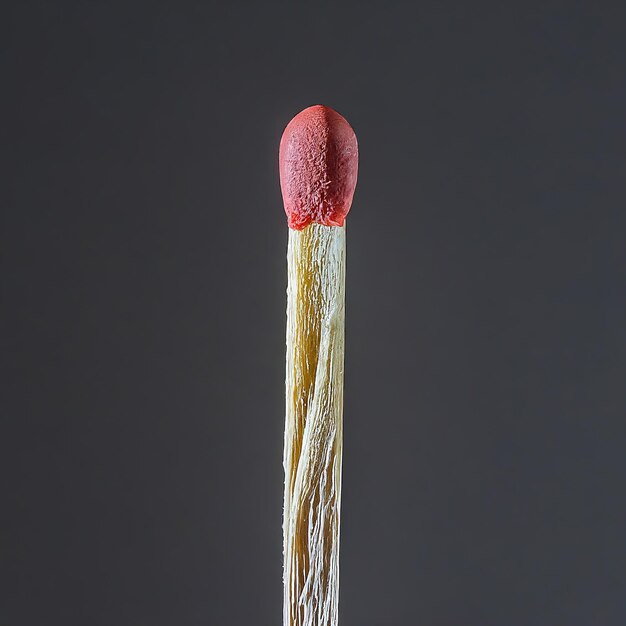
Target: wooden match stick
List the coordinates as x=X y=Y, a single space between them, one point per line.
x=318 y=170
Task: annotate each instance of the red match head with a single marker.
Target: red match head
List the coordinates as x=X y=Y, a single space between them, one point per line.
x=318 y=164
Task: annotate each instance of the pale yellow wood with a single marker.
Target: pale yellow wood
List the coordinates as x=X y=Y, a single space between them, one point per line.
x=314 y=424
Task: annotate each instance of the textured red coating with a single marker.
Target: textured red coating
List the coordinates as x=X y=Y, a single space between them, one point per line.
x=318 y=163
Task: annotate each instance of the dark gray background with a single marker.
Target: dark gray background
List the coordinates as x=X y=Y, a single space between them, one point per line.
x=143 y=310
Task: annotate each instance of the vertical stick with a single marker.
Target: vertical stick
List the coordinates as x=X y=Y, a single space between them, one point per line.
x=314 y=424
x=318 y=166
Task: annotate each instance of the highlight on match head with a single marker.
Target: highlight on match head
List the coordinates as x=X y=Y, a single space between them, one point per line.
x=318 y=163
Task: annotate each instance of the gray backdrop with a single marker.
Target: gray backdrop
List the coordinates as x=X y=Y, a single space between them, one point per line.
x=144 y=310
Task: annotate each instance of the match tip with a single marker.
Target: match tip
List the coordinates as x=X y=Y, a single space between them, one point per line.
x=318 y=163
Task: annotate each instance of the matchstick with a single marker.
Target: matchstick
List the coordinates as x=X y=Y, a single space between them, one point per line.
x=318 y=170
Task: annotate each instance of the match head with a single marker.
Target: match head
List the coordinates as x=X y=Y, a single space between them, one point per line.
x=318 y=163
